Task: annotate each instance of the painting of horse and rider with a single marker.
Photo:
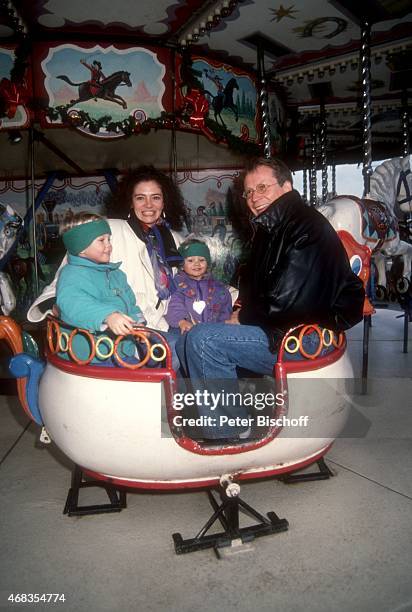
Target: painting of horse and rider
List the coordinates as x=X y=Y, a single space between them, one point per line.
x=105 y=81
x=231 y=95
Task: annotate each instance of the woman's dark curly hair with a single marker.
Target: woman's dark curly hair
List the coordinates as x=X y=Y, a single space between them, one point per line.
x=174 y=210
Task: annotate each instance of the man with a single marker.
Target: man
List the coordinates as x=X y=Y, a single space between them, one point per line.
x=96 y=76
x=298 y=272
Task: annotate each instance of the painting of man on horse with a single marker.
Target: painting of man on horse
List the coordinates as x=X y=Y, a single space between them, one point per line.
x=96 y=75
x=99 y=86
x=230 y=97
x=224 y=96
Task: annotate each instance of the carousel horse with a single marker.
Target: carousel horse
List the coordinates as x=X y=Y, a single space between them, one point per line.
x=370 y=223
x=106 y=91
x=224 y=100
x=391 y=183
x=10 y=224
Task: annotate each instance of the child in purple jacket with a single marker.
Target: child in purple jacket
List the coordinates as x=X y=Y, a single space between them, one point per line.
x=199 y=298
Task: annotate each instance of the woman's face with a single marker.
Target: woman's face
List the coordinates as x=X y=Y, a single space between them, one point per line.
x=147 y=201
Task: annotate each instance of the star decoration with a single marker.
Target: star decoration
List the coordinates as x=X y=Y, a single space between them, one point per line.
x=283 y=12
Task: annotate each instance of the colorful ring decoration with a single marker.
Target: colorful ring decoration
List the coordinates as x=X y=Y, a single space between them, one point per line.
x=61 y=341
x=326 y=336
x=152 y=352
x=53 y=326
x=337 y=344
x=296 y=347
x=329 y=343
x=102 y=340
x=64 y=335
x=131 y=366
x=320 y=346
x=91 y=342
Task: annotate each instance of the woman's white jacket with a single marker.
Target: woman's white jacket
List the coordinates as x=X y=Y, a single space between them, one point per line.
x=132 y=252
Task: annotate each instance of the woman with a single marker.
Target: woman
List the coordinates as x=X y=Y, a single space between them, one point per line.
x=144 y=239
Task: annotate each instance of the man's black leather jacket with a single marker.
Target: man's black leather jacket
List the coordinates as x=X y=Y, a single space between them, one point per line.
x=298 y=272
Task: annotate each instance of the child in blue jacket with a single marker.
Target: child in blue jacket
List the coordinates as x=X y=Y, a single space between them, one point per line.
x=92 y=292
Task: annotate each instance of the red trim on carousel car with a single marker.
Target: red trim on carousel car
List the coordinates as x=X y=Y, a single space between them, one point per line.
x=281 y=370
x=96 y=371
x=308 y=365
x=196 y=484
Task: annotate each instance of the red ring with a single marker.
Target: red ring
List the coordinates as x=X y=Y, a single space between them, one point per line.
x=340 y=341
x=141 y=363
x=301 y=335
x=92 y=344
x=53 y=325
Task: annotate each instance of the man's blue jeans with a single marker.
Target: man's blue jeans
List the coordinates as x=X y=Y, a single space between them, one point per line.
x=210 y=354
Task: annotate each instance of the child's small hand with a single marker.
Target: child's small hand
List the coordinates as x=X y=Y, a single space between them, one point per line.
x=185 y=326
x=119 y=323
x=234 y=318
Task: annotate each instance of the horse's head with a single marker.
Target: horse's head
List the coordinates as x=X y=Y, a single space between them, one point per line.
x=232 y=84
x=126 y=78
x=10 y=223
x=391 y=183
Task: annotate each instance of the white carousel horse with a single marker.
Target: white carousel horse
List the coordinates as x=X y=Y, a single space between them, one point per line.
x=391 y=183
x=10 y=224
x=371 y=223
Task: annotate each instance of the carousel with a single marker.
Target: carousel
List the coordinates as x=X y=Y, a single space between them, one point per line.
x=86 y=111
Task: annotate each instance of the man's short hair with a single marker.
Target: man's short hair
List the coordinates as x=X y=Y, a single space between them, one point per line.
x=280 y=170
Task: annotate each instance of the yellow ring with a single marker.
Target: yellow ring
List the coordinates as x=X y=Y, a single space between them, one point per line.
x=288 y=349
x=330 y=337
x=111 y=347
x=153 y=356
x=64 y=335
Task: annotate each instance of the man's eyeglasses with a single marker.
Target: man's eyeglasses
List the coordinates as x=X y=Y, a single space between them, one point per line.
x=260 y=189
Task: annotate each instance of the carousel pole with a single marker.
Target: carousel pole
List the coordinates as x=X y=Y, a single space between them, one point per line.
x=333 y=179
x=366 y=104
x=324 y=162
x=33 y=206
x=405 y=153
x=312 y=173
x=173 y=161
x=264 y=103
x=405 y=124
x=365 y=61
x=305 y=182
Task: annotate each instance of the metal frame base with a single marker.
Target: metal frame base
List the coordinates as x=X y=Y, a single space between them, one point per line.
x=71 y=508
x=227 y=512
x=324 y=473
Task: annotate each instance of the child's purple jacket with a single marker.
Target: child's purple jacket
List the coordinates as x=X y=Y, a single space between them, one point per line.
x=214 y=293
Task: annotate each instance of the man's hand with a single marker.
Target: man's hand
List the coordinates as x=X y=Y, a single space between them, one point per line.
x=119 y=323
x=234 y=318
x=184 y=326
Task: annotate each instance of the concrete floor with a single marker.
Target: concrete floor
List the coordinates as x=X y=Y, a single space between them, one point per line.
x=348 y=548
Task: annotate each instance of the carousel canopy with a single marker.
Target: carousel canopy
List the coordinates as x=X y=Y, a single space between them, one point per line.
x=313 y=56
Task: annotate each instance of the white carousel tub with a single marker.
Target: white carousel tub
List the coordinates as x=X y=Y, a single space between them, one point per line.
x=114 y=423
